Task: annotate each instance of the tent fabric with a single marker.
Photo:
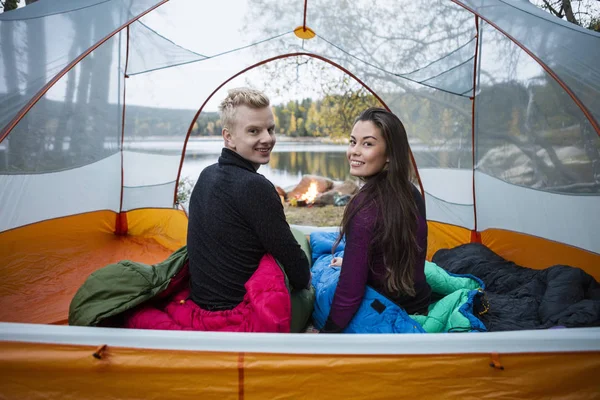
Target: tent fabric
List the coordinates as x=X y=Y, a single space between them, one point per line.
x=45 y=263
x=508 y=117
x=454 y=307
x=156 y=50
x=70 y=370
x=48 y=54
x=34 y=256
x=550 y=144
x=535 y=252
x=564 y=47
x=537 y=213
x=572 y=340
x=516 y=110
x=508 y=120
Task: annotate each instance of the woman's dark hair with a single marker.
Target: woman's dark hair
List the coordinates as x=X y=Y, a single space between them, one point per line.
x=392 y=192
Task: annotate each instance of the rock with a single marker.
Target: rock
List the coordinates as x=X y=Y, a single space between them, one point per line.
x=325 y=199
x=337 y=191
x=323 y=185
x=346 y=187
x=281 y=192
x=332 y=198
x=342 y=200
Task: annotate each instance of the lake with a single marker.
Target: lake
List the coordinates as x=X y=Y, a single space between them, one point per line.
x=289 y=161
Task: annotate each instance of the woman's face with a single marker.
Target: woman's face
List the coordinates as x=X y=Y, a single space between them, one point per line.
x=367 y=150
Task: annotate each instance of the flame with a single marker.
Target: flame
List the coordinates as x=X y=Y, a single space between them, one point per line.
x=311 y=193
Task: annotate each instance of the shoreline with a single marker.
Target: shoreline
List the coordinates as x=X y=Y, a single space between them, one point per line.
x=280 y=138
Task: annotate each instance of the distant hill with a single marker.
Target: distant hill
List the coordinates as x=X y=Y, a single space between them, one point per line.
x=141 y=120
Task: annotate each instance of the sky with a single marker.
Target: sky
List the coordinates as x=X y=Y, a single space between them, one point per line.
x=195 y=81
x=211 y=36
x=189 y=25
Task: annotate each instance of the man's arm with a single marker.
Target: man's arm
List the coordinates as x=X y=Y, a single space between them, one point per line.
x=265 y=214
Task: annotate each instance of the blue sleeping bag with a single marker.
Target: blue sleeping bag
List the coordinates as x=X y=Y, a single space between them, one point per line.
x=377 y=314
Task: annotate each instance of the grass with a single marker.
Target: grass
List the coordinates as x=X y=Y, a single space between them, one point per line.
x=314 y=216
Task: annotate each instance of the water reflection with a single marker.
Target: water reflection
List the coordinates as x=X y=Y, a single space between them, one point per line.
x=291 y=160
x=329 y=164
x=285 y=169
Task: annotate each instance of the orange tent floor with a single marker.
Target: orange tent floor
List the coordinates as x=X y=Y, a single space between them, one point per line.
x=43 y=264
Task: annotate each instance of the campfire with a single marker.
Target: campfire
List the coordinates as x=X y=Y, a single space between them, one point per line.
x=308 y=197
x=318 y=191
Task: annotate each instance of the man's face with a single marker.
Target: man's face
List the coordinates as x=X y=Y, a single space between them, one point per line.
x=252 y=135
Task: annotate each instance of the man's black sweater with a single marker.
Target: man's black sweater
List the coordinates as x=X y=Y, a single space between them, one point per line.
x=235 y=217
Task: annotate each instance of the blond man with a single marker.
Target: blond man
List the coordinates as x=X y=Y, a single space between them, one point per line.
x=235 y=214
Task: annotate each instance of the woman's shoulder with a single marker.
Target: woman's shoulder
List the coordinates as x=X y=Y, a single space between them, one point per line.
x=362 y=200
x=364 y=208
x=419 y=200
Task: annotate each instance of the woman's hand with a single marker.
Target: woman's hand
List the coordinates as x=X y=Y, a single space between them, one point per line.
x=336 y=262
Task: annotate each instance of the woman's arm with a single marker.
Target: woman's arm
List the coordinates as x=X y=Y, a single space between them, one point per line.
x=354 y=273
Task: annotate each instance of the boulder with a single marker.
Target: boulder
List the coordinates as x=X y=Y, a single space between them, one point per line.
x=339 y=194
x=346 y=187
x=325 y=199
x=281 y=192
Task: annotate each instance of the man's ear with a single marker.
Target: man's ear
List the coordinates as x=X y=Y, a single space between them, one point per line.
x=228 y=139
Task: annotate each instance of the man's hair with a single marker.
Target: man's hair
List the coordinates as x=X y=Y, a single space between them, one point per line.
x=240 y=97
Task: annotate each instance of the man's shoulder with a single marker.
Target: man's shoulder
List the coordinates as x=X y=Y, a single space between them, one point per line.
x=257 y=181
x=208 y=170
x=238 y=179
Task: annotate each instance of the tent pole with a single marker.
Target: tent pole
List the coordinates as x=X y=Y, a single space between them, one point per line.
x=281 y=56
x=475 y=234
x=121 y=226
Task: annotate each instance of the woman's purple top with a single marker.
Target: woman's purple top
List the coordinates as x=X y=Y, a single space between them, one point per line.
x=356 y=274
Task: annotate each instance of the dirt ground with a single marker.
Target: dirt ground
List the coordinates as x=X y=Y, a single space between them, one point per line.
x=314 y=216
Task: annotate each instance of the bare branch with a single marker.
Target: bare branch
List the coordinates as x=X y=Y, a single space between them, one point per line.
x=553 y=10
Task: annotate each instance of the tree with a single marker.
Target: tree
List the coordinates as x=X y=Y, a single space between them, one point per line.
x=292 y=128
x=301 y=128
x=392 y=54
x=8 y=5
x=275 y=117
x=586 y=13
x=312 y=116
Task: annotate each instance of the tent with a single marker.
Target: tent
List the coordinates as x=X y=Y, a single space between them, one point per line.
x=512 y=90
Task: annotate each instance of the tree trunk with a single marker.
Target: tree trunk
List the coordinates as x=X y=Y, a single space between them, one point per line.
x=569 y=12
x=7 y=48
x=26 y=141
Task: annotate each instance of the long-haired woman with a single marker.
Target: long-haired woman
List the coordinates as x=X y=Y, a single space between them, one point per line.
x=384 y=224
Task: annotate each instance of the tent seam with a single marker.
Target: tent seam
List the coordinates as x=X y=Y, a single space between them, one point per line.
x=213 y=56
x=389 y=72
x=56 y=13
x=582 y=30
